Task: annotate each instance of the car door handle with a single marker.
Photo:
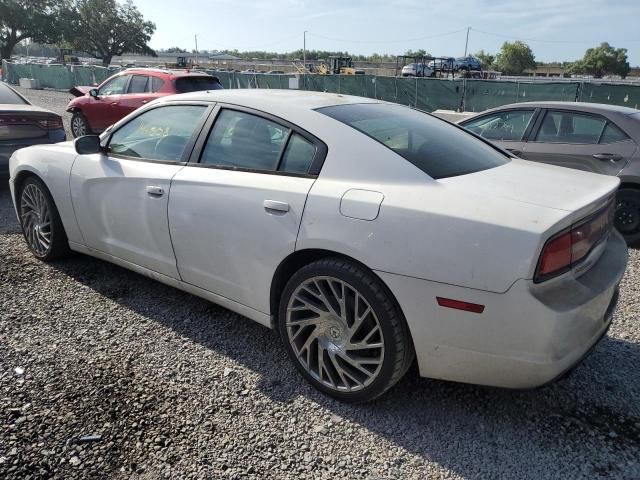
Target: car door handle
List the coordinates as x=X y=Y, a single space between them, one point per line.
x=144 y=101
x=114 y=103
x=514 y=151
x=155 y=190
x=607 y=156
x=274 y=205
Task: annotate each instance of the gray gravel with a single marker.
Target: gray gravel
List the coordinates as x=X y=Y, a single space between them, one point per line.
x=170 y=386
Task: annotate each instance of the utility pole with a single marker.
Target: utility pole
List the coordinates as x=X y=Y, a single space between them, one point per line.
x=304 y=50
x=466 y=44
x=196 y=37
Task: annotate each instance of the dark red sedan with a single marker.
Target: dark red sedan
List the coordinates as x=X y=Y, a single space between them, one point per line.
x=95 y=108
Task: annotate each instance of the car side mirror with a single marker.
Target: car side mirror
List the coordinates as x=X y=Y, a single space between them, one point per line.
x=94 y=92
x=88 y=144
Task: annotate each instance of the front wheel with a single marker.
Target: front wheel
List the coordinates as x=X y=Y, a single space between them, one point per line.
x=79 y=125
x=343 y=330
x=40 y=221
x=627 y=214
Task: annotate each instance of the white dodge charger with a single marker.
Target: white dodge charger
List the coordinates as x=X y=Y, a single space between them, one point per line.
x=367 y=233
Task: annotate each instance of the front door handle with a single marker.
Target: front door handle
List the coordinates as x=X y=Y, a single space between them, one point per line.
x=514 y=151
x=274 y=205
x=155 y=190
x=114 y=103
x=607 y=156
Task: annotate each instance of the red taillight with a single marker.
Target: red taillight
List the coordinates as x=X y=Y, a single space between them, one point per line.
x=567 y=249
x=51 y=123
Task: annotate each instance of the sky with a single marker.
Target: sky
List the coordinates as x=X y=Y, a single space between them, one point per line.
x=556 y=30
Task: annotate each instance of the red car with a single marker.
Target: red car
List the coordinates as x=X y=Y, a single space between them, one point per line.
x=95 y=108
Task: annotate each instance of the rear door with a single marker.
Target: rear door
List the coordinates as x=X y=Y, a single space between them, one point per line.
x=579 y=140
x=506 y=128
x=234 y=212
x=120 y=196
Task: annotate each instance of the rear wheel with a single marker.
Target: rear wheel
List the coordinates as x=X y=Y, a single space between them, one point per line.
x=79 y=125
x=627 y=214
x=40 y=221
x=343 y=330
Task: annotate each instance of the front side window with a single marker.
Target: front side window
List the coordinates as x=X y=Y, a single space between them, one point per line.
x=138 y=84
x=115 y=86
x=436 y=147
x=570 y=127
x=508 y=125
x=158 y=134
x=242 y=140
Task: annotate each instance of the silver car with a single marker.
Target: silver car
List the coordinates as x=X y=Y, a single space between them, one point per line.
x=585 y=136
x=417 y=70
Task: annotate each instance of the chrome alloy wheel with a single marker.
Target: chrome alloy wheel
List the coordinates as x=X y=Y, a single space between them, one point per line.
x=335 y=334
x=36 y=219
x=78 y=126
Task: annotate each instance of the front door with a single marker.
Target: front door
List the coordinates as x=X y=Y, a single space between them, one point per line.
x=581 y=141
x=234 y=216
x=102 y=111
x=120 y=197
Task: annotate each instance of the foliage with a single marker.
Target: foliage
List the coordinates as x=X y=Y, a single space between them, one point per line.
x=514 y=58
x=486 y=59
x=107 y=28
x=603 y=60
x=175 y=50
x=39 y=20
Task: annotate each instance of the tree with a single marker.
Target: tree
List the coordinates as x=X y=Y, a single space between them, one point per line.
x=107 y=28
x=42 y=21
x=486 y=59
x=418 y=53
x=514 y=58
x=603 y=60
x=175 y=50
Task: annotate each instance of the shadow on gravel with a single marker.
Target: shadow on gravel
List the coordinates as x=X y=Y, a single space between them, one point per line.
x=459 y=426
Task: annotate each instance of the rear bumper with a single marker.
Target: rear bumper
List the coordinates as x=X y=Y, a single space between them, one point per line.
x=526 y=337
x=7 y=149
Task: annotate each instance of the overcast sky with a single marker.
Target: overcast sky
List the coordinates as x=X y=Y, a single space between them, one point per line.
x=555 y=29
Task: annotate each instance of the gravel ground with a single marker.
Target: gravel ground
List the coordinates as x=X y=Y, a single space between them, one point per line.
x=170 y=386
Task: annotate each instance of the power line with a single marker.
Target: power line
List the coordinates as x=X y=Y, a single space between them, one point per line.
x=342 y=40
x=517 y=37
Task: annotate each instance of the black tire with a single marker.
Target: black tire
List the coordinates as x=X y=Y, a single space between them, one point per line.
x=627 y=214
x=79 y=125
x=58 y=244
x=398 y=352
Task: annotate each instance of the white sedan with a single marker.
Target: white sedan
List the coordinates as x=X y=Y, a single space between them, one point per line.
x=369 y=234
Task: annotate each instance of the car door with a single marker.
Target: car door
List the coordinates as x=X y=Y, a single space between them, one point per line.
x=101 y=111
x=120 y=196
x=234 y=212
x=579 y=140
x=137 y=94
x=506 y=128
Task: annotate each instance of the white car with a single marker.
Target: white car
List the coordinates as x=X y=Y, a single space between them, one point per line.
x=367 y=233
x=416 y=70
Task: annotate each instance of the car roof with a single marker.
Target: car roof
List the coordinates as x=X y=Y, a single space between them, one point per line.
x=578 y=106
x=282 y=103
x=168 y=72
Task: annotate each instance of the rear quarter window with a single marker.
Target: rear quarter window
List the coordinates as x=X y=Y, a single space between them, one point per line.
x=436 y=147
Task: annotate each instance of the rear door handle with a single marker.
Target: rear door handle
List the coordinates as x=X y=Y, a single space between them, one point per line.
x=274 y=205
x=144 y=101
x=155 y=190
x=114 y=103
x=607 y=156
x=514 y=151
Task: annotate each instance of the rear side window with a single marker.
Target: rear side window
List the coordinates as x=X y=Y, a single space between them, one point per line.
x=298 y=155
x=7 y=95
x=570 y=127
x=156 y=84
x=196 y=84
x=434 y=146
x=138 y=84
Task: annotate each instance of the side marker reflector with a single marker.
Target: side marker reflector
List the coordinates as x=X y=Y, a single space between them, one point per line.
x=460 y=305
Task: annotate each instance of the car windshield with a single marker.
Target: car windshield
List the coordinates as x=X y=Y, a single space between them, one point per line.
x=436 y=147
x=9 y=97
x=196 y=84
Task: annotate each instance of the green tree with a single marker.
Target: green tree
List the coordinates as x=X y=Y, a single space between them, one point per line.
x=175 y=50
x=41 y=21
x=514 y=58
x=486 y=59
x=603 y=60
x=417 y=53
x=107 y=28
